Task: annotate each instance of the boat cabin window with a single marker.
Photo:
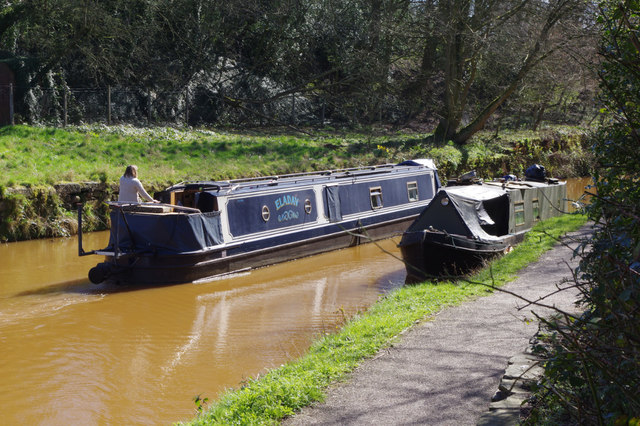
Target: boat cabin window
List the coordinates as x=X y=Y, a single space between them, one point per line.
x=519 y=213
x=202 y=200
x=535 y=205
x=412 y=191
x=375 y=194
x=498 y=211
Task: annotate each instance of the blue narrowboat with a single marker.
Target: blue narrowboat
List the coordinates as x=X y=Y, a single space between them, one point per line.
x=210 y=228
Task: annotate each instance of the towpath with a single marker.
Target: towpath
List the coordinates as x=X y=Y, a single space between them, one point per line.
x=445 y=371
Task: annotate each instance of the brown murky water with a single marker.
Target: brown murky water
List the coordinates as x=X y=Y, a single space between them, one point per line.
x=576 y=188
x=75 y=353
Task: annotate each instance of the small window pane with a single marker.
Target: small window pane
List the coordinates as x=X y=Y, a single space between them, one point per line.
x=536 y=210
x=376 y=197
x=519 y=214
x=412 y=190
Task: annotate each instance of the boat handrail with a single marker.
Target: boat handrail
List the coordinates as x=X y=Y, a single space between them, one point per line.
x=314 y=174
x=294 y=177
x=291 y=178
x=118 y=205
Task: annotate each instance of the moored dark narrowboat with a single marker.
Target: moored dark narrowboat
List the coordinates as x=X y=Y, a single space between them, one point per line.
x=468 y=223
x=205 y=229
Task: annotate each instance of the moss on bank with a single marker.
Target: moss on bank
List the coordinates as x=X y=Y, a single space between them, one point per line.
x=41 y=164
x=45 y=211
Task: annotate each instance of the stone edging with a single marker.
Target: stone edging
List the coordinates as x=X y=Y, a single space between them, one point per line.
x=523 y=370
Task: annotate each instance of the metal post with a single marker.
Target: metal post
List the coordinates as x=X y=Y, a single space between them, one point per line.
x=186 y=107
x=81 y=251
x=148 y=107
x=108 y=105
x=64 y=109
x=11 y=118
x=116 y=244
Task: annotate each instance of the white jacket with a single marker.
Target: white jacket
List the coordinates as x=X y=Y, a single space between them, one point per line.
x=130 y=188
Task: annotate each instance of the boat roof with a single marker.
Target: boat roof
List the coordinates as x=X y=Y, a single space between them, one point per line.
x=490 y=190
x=475 y=191
x=296 y=179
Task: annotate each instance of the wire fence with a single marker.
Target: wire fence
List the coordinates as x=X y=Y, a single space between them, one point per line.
x=198 y=106
x=118 y=105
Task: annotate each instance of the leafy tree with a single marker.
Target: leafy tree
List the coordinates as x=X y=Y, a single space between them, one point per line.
x=508 y=39
x=459 y=59
x=594 y=374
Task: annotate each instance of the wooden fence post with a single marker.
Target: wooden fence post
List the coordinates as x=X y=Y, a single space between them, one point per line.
x=11 y=118
x=186 y=107
x=64 y=109
x=148 y=107
x=108 y=105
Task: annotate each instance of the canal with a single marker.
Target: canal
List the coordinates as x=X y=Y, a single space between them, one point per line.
x=73 y=352
x=77 y=353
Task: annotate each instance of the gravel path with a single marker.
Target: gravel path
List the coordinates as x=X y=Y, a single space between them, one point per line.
x=445 y=371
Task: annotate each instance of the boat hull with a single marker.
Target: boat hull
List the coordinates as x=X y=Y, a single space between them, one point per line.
x=430 y=255
x=152 y=269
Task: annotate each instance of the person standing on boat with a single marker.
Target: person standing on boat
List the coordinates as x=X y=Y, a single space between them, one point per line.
x=131 y=189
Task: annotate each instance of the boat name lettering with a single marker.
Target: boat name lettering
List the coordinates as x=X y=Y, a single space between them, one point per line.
x=288 y=215
x=287 y=200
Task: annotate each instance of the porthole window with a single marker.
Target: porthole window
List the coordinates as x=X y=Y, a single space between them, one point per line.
x=266 y=214
x=307 y=206
x=412 y=191
x=376 y=197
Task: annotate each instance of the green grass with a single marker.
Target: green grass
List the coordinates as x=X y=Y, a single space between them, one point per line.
x=283 y=391
x=38 y=156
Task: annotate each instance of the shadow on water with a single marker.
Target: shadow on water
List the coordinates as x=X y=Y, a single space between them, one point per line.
x=391 y=281
x=79 y=286
x=85 y=287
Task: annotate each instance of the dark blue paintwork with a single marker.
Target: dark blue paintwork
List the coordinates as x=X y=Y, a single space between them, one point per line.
x=356 y=198
x=284 y=209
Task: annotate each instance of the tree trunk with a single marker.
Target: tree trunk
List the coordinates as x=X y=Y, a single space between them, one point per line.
x=531 y=60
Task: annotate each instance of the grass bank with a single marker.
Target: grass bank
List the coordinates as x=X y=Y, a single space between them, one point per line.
x=34 y=160
x=39 y=156
x=283 y=391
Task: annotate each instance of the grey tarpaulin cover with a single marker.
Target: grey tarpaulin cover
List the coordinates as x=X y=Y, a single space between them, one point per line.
x=473 y=211
x=471 y=203
x=166 y=233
